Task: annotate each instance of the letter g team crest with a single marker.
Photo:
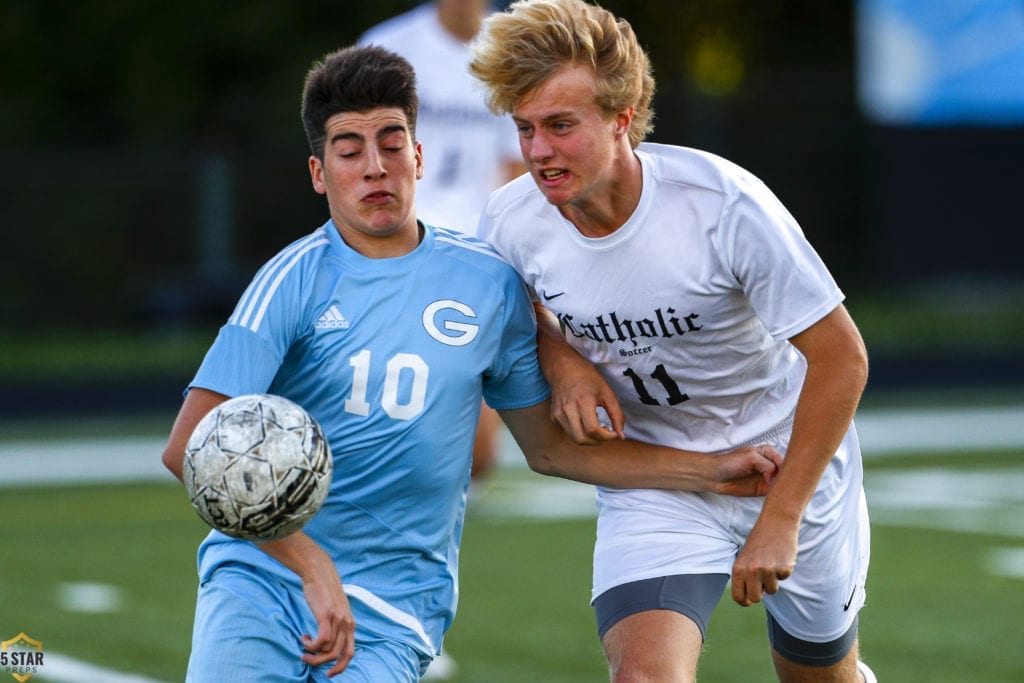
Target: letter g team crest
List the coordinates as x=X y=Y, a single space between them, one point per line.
x=446 y=321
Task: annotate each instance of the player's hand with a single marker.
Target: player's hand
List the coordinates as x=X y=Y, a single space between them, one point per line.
x=577 y=388
x=335 y=637
x=575 y=401
x=335 y=625
x=767 y=558
x=747 y=471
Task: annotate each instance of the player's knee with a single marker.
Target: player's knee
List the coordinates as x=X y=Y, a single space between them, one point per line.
x=648 y=668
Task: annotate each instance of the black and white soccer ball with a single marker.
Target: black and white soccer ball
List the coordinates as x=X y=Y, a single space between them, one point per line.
x=257 y=467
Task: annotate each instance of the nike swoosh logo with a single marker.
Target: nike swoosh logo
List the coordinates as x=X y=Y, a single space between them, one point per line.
x=553 y=296
x=849 y=602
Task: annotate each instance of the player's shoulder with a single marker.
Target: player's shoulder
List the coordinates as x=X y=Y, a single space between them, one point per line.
x=399 y=30
x=695 y=168
x=516 y=214
x=285 y=279
x=471 y=252
x=304 y=254
x=516 y=195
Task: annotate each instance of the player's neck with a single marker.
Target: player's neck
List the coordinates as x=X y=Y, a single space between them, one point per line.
x=382 y=246
x=607 y=206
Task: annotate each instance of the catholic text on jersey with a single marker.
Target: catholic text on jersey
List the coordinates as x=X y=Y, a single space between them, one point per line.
x=609 y=328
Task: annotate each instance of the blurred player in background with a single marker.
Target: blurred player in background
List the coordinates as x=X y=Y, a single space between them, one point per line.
x=390 y=332
x=713 y=323
x=468 y=151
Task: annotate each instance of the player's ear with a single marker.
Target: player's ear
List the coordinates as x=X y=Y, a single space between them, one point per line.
x=316 y=173
x=419 y=159
x=623 y=121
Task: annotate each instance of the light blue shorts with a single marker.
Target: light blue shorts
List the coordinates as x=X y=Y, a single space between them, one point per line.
x=248 y=629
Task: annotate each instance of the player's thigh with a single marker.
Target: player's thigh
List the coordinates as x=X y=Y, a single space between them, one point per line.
x=655 y=645
x=811 y=670
x=653 y=629
x=694 y=596
x=244 y=630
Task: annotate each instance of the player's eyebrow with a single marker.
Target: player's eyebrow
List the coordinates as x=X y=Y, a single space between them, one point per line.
x=359 y=137
x=558 y=115
x=388 y=130
x=347 y=135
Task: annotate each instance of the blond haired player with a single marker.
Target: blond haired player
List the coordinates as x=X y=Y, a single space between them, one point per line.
x=713 y=324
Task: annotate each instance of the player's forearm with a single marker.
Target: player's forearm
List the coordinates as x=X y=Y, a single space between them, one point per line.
x=197 y=404
x=301 y=554
x=626 y=464
x=618 y=464
x=554 y=352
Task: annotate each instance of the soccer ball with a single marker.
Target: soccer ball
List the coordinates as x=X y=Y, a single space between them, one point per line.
x=257 y=467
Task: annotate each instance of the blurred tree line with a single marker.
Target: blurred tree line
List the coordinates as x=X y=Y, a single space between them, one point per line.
x=153 y=154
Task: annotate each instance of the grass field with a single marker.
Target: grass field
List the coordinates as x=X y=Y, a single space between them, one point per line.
x=939 y=609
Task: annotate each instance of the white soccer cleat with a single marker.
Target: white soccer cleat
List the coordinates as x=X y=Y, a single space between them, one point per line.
x=866 y=672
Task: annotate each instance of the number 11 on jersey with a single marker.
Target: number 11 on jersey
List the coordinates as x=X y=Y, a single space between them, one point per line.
x=675 y=395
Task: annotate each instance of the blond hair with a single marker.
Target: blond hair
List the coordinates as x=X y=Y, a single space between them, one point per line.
x=518 y=50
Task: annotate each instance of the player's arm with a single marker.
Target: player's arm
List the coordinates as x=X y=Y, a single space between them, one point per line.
x=626 y=463
x=837 y=369
x=326 y=598
x=198 y=402
x=320 y=581
x=577 y=388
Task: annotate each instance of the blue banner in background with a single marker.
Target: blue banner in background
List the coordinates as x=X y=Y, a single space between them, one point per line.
x=941 y=62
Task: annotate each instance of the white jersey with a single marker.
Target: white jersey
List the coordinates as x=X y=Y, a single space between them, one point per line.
x=465 y=146
x=686 y=310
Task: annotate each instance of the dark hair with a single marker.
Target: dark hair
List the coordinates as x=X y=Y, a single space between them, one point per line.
x=356 y=78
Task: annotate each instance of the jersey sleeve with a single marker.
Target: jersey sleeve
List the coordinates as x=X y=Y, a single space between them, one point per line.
x=495 y=214
x=239 y=362
x=515 y=379
x=763 y=247
x=250 y=347
x=485 y=224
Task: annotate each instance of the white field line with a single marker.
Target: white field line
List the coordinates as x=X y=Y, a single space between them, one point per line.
x=63 y=669
x=882 y=432
x=936 y=430
x=1008 y=562
x=77 y=461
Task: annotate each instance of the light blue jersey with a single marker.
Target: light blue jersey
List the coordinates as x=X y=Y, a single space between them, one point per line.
x=392 y=357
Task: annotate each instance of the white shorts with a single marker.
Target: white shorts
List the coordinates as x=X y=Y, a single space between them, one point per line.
x=643 y=534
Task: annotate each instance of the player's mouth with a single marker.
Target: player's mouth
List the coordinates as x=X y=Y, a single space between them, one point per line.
x=377 y=198
x=553 y=175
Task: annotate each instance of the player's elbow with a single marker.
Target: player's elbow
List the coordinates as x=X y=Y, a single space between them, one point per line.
x=541 y=463
x=857 y=365
x=846 y=360
x=172 y=460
